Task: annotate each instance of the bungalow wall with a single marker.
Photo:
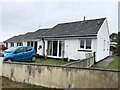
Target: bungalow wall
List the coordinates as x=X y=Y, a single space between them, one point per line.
x=71 y=48
x=9 y=44
x=103 y=42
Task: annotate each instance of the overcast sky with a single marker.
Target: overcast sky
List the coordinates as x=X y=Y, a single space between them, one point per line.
x=22 y=17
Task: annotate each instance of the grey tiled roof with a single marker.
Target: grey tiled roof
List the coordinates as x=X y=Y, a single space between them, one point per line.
x=15 y=39
x=34 y=35
x=75 y=29
x=71 y=29
x=27 y=36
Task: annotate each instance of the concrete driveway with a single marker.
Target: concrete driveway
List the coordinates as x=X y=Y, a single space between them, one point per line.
x=105 y=62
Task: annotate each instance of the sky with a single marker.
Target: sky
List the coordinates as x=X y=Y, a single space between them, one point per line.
x=20 y=17
x=119 y=16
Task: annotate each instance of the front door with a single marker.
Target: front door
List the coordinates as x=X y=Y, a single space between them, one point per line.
x=55 y=44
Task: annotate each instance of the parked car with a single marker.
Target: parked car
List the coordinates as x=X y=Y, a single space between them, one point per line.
x=2 y=47
x=19 y=53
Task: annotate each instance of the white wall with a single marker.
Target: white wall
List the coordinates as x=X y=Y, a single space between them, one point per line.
x=15 y=44
x=71 y=49
x=9 y=45
x=103 y=34
x=24 y=43
x=94 y=45
x=72 y=46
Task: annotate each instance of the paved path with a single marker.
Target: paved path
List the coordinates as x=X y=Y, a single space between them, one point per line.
x=105 y=62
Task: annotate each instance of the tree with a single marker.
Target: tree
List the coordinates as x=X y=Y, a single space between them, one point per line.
x=113 y=37
x=118 y=45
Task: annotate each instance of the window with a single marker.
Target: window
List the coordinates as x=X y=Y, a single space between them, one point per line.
x=81 y=43
x=6 y=44
x=85 y=43
x=104 y=46
x=61 y=48
x=55 y=48
x=28 y=49
x=19 y=44
x=107 y=45
x=20 y=50
x=88 y=44
x=49 y=48
x=31 y=44
x=12 y=44
x=28 y=43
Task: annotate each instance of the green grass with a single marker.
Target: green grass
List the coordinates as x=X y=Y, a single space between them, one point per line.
x=7 y=83
x=52 y=62
x=114 y=65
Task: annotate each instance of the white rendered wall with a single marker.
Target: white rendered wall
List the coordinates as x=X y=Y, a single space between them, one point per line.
x=94 y=45
x=24 y=43
x=72 y=46
x=9 y=45
x=103 y=49
x=15 y=44
x=46 y=47
x=71 y=49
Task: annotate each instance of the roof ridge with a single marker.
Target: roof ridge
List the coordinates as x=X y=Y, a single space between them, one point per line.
x=81 y=21
x=42 y=29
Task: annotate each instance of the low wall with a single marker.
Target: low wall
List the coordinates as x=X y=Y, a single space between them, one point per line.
x=82 y=63
x=60 y=76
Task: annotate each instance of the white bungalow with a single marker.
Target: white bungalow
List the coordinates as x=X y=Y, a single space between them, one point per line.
x=77 y=40
x=73 y=40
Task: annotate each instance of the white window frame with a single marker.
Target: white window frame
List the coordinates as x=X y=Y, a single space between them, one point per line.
x=58 y=41
x=107 y=45
x=104 y=45
x=85 y=40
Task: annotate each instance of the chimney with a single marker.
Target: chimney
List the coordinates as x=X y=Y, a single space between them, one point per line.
x=84 y=18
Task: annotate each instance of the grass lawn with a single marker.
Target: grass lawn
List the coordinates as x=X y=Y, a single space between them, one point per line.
x=7 y=83
x=52 y=62
x=115 y=64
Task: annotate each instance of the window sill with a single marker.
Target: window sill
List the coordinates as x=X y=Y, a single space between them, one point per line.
x=84 y=50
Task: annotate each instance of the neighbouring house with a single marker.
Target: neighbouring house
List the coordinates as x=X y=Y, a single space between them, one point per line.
x=28 y=39
x=72 y=40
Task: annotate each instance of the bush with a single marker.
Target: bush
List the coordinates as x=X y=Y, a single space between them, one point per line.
x=118 y=45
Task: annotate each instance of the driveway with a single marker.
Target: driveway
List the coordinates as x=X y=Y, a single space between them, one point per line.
x=105 y=62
